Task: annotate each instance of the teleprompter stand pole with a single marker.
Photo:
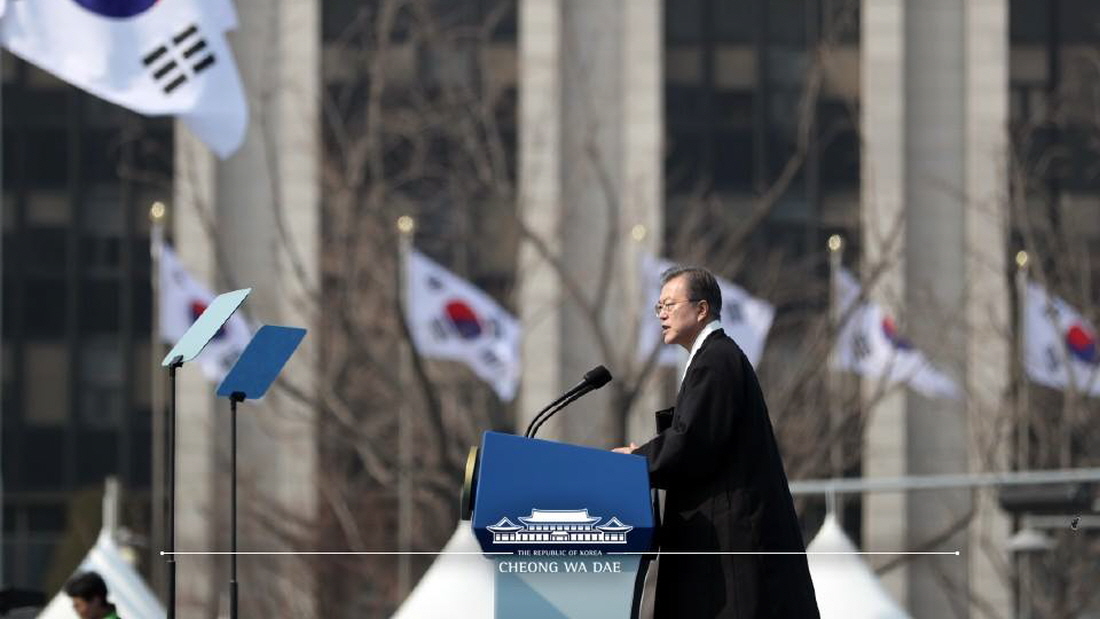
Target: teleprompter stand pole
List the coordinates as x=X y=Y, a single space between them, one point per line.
x=233 y=399
x=175 y=364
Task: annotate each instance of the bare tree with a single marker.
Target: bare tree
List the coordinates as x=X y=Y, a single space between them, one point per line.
x=419 y=118
x=417 y=122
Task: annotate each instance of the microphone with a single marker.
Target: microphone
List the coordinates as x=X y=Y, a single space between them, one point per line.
x=597 y=377
x=593 y=379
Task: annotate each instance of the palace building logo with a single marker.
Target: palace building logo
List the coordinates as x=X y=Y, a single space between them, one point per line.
x=560 y=526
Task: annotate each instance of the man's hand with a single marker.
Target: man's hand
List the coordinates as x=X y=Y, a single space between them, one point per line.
x=625 y=450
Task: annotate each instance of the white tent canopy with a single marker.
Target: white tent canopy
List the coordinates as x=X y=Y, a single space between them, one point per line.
x=846 y=587
x=125 y=588
x=456 y=585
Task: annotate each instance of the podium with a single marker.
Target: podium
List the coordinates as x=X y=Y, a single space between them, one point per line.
x=566 y=526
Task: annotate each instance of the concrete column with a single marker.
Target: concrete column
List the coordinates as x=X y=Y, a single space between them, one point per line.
x=642 y=108
x=197 y=583
x=988 y=292
x=541 y=293
x=882 y=224
x=935 y=130
x=269 y=199
x=591 y=207
x=264 y=222
x=935 y=112
x=590 y=168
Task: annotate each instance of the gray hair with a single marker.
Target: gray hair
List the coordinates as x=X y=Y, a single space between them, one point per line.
x=701 y=286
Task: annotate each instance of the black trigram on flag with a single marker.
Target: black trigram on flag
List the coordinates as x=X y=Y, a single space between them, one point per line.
x=180 y=59
x=860 y=346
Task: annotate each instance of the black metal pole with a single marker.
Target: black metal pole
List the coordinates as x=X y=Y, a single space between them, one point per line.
x=233 y=399
x=171 y=461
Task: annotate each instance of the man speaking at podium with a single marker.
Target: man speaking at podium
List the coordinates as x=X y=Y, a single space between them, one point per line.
x=718 y=462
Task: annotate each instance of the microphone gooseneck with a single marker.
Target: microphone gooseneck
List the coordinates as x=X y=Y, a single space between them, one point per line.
x=593 y=379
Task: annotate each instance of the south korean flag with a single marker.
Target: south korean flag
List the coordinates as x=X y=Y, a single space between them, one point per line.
x=155 y=57
x=869 y=343
x=450 y=318
x=1060 y=349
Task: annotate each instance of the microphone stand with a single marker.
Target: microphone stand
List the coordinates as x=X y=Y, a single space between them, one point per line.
x=568 y=394
x=569 y=399
x=593 y=379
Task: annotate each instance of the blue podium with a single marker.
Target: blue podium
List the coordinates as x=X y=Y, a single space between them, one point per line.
x=566 y=526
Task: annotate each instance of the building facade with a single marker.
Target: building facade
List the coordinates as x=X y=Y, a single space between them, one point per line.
x=79 y=175
x=936 y=137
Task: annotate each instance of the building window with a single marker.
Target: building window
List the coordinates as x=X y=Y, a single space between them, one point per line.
x=46 y=384
x=101 y=383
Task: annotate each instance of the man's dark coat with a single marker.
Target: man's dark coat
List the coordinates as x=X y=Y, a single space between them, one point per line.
x=725 y=490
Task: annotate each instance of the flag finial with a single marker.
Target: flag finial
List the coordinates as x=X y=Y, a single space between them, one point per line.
x=1021 y=259
x=157 y=211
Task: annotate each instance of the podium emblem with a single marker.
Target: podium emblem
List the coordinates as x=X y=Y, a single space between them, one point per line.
x=560 y=526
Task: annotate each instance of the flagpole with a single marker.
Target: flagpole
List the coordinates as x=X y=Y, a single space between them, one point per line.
x=835 y=247
x=1023 y=416
x=157 y=213
x=406 y=226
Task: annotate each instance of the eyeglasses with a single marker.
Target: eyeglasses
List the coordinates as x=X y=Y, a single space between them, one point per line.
x=667 y=306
